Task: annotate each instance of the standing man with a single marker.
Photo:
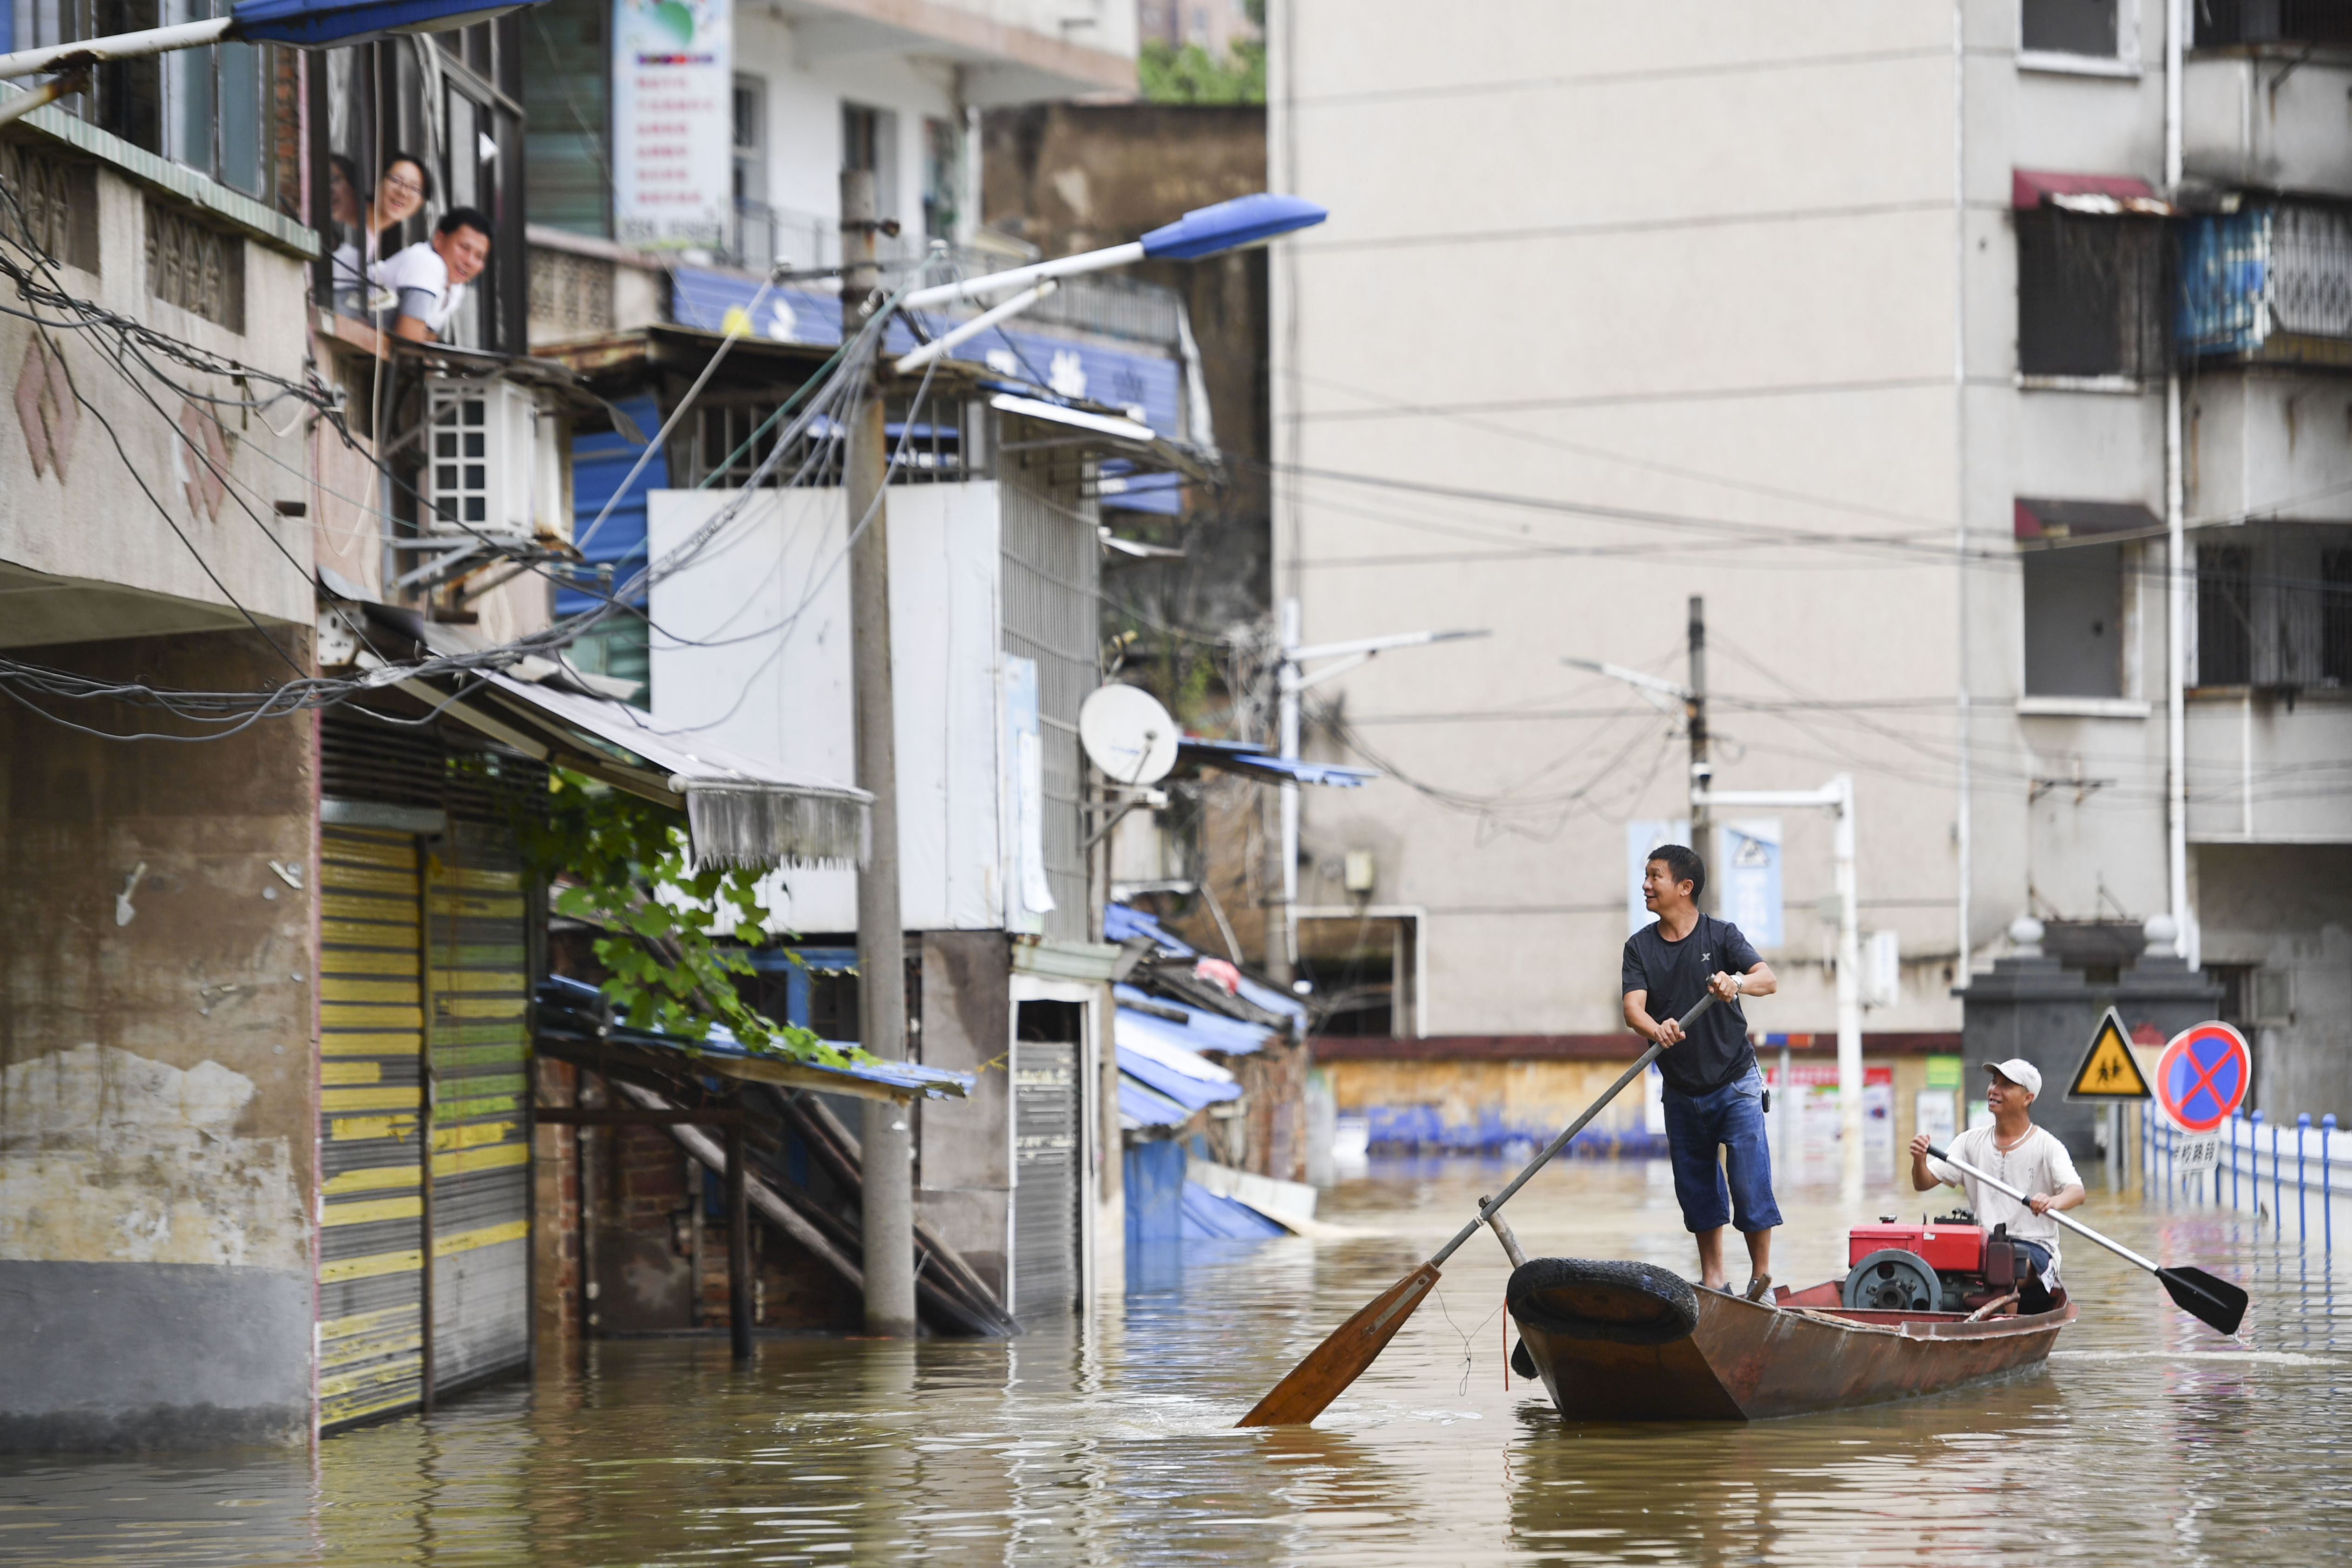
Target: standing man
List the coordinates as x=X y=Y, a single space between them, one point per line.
x=2028 y=1158
x=1714 y=1090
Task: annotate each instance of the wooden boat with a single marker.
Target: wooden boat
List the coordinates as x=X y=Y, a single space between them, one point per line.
x=1627 y=1341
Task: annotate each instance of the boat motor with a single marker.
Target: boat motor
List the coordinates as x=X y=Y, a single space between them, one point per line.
x=1950 y=1264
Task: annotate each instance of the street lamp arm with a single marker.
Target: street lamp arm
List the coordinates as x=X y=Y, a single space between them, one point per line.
x=1376 y=644
x=995 y=283
x=1829 y=795
x=1294 y=682
x=1646 y=681
x=122 y=47
x=304 y=24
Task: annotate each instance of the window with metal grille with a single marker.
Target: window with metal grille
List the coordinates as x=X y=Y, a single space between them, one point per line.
x=2090 y=295
x=2219 y=23
x=461 y=460
x=2336 y=617
x=2070 y=27
x=2225 y=637
x=731 y=439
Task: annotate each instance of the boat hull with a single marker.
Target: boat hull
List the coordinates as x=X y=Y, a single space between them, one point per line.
x=1748 y=1361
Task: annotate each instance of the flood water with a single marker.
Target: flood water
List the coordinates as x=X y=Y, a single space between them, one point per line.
x=2147 y=1439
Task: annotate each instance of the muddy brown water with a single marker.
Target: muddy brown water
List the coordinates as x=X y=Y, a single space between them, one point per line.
x=2147 y=1439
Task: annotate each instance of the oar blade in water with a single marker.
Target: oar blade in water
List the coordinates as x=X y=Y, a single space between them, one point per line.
x=2206 y=1297
x=1339 y=1360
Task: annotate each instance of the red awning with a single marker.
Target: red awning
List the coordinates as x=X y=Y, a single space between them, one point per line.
x=2048 y=522
x=2111 y=195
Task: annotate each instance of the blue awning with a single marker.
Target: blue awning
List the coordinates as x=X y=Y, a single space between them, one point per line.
x=1074 y=367
x=1122 y=922
x=562 y=1000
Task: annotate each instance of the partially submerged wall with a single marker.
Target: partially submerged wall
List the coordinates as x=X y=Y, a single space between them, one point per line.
x=156 y=1114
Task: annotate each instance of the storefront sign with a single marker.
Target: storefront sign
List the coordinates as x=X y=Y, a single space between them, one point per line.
x=673 y=121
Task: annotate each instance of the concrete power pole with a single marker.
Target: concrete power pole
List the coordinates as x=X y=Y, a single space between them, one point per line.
x=887 y=1205
x=1702 y=771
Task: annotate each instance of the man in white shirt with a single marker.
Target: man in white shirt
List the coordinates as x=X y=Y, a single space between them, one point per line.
x=429 y=278
x=2025 y=1156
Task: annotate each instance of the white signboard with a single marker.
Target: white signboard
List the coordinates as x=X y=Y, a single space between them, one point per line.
x=673 y=121
x=2193 y=1155
x=1937 y=1113
x=1748 y=871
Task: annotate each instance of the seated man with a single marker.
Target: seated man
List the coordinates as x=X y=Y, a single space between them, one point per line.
x=429 y=277
x=2014 y=1150
x=1714 y=1091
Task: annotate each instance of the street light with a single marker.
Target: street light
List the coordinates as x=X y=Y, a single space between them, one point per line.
x=888 y=1210
x=1237 y=225
x=302 y=24
x=1290 y=679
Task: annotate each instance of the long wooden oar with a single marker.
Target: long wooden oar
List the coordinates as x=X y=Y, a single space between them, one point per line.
x=2209 y=1299
x=1339 y=1360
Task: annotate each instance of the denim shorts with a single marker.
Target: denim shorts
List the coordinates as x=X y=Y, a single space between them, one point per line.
x=1730 y=1118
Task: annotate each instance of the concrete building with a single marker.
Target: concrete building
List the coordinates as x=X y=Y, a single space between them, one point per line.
x=1862 y=324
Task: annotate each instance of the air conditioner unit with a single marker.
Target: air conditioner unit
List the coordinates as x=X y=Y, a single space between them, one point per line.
x=494 y=467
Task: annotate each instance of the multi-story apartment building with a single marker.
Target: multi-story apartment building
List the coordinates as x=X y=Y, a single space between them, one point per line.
x=1983 y=370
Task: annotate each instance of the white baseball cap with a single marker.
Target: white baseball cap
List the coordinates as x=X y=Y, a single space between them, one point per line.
x=2020 y=1072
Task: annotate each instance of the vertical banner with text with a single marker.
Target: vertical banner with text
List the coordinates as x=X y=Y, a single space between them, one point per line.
x=673 y=121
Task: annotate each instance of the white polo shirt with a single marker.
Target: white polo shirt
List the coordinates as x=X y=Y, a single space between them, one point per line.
x=420 y=278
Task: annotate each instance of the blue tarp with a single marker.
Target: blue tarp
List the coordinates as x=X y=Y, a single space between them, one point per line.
x=1134 y=378
x=1185 y=1089
x=1208 y=1217
x=599 y=463
x=1202 y=1029
x=2224 y=304
x=1155 y=1193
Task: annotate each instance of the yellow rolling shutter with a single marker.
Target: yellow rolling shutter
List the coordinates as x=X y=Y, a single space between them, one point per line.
x=371 y=1260
x=478 y=991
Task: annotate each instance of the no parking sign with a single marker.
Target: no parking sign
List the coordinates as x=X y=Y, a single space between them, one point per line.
x=2203 y=1075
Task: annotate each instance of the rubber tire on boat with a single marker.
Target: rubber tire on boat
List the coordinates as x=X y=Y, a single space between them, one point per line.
x=1584 y=1298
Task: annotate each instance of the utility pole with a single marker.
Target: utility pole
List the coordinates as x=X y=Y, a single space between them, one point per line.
x=887 y=1207
x=1702 y=771
x=1290 y=679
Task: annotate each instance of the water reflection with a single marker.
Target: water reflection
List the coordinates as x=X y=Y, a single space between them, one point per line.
x=2146 y=1438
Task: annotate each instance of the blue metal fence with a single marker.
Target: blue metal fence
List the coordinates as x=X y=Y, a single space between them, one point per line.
x=2289 y=1176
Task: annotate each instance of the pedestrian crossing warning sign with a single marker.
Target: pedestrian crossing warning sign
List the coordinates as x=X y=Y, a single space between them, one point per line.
x=2109 y=1071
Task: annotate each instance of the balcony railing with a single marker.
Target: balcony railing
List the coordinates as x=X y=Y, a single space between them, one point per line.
x=2272 y=280
x=2222 y=23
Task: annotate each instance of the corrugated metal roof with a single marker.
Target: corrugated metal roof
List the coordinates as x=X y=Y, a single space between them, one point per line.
x=1201 y=1029
x=562 y=1000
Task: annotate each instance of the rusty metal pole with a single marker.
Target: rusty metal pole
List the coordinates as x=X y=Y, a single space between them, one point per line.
x=1702 y=771
x=739 y=1246
x=887 y=1201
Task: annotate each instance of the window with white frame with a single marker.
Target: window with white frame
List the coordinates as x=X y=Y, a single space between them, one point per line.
x=2088 y=27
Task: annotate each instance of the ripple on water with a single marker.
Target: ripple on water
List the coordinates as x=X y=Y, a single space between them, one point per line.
x=2145 y=1438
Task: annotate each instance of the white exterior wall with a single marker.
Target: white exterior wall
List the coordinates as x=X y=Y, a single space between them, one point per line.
x=1710 y=273
x=783 y=563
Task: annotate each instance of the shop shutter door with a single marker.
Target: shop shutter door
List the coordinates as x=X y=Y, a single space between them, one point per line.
x=481 y=1149
x=370 y=1262
x=1046 y=1191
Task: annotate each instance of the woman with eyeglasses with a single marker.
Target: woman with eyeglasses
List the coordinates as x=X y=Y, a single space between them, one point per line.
x=400 y=195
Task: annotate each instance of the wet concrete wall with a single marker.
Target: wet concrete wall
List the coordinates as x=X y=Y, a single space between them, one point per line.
x=965 y=1162
x=2285 y=911
x=157 y=1115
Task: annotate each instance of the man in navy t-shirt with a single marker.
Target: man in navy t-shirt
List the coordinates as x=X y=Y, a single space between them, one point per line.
x=1714 y=1091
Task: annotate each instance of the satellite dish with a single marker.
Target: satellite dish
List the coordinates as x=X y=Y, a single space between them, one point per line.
x=1128 y=735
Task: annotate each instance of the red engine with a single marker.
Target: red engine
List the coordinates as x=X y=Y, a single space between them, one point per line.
x=1947 y=1264
x=1948 y=1249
